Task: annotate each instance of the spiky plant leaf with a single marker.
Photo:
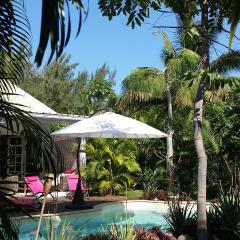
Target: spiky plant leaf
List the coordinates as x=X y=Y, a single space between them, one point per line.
x=54 y=28
x=234 y=19
x=14 y=42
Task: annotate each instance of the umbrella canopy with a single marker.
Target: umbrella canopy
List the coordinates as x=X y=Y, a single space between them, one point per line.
x=108 y=125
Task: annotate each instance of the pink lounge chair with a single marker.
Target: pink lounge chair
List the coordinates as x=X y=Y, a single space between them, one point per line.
x=72 y=181
x=36 y=186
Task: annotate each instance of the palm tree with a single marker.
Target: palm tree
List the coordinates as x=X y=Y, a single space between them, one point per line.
x=14 y=50
x=213 y=83
x=152 y=86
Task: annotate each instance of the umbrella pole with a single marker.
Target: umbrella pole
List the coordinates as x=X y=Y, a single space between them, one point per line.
x=78 y=196
x=78 y=199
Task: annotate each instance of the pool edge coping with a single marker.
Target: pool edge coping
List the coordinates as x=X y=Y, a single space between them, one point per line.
x=96 y=208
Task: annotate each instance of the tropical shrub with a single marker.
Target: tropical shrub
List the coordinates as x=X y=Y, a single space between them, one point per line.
x=122 y=232
x=152 y=234
x=224 y=217
x=150 y=179
x=66 y=231
x=116 y=232
x=111 y=165
x=132 y=234
x=181 y=219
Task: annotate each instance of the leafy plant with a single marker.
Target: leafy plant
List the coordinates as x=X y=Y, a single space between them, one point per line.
x=111 y=164
x=66 y=232
x=150 y=179
x=181 y=219
x=57 y=126
x=133 y=234
x=152 y=234
x=122 y=232
x=224 y=216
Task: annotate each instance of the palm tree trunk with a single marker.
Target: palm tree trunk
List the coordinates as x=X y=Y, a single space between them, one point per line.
x=198 y=109
x=170 y=166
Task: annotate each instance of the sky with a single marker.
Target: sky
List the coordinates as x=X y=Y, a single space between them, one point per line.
x=111 y=42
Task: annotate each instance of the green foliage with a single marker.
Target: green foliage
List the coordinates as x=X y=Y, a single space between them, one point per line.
x=132 y=233
x=122 y=232
x=111 y=165
x=223 y=117
x=57 y=126
x=151 y=180
x=8 y=228
x=65 y=232
x=143 y=87
x=99 y=90
x=234 y=17
x=54 y=28
x=14 y=42
x=53 y=84
x=58 y=87
x=229 y=61
x=116 y=232
x=224 y=217
x=181 y=219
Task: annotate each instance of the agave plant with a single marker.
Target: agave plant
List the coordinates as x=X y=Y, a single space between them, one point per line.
x=181 y=219
x=122 y=232
x=224 y=216
x=65 y=232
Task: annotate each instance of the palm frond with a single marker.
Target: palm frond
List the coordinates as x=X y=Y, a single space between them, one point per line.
x=132 y=165
x=137 y=100
x=210 y=138
x=54 y=28
x=143 y=86
x=17 y=121
x=184 y=97
x=9 y=228
x=168 y=51
x=234 y=19
x=14 y=42
x=217 y=81
x=226 y=63
x=103 y=172
x=189 y=58
x=105 y=186
x=142 y=79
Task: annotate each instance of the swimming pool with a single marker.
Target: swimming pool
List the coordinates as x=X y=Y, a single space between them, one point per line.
x=139 y=213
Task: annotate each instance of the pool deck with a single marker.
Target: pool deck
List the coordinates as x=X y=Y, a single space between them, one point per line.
x=59 y=204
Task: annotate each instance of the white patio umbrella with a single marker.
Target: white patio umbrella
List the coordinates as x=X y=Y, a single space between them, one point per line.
x=107 y=125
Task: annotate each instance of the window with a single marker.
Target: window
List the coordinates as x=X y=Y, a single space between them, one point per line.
x=16 y=155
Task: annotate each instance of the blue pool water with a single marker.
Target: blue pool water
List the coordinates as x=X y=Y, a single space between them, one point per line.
x=141 y=215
